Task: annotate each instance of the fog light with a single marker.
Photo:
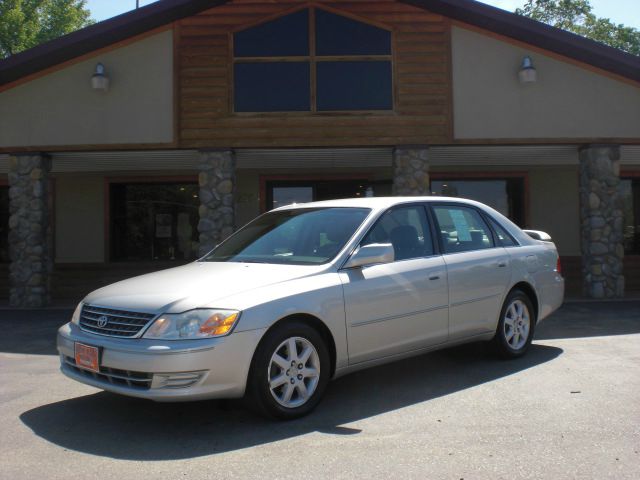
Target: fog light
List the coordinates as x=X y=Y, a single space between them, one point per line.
x=176 y=380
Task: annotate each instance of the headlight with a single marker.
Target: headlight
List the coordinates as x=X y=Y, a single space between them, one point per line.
x=193 y=324
x=75 y=318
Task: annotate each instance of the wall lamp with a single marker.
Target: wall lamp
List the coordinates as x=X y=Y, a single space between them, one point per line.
x=527 y=73
x=100 y=79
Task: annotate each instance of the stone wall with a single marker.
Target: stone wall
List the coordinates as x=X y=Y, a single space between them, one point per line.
x=411 y=171
x=601 y=222
x=217 y=194
x=29 y=231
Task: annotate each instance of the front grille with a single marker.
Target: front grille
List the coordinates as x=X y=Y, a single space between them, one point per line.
x=114 y=323
x=114 y=376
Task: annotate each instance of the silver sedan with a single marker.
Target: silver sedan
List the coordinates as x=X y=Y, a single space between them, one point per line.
x=307 y=293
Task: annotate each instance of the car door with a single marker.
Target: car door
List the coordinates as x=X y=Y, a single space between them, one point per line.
x=478 y=269
x=399 y=306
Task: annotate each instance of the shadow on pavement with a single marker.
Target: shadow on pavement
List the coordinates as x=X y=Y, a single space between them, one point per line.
x=591 y=319
x=119 y=427
x=31 y=331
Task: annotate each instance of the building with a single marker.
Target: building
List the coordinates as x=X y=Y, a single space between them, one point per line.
x=141 y=141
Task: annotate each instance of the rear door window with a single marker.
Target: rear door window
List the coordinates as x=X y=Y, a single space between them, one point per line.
x=462 y=229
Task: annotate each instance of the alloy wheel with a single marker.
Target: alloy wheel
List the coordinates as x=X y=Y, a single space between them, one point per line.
x=517 y=324
x=294 y=372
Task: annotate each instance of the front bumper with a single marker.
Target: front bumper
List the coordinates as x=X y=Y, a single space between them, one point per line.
x=166 y=371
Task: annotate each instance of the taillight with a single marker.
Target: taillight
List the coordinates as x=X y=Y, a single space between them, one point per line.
x=559 y=266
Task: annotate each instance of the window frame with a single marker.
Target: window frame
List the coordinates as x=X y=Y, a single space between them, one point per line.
x=108 y=181
x=633 y=176
x=312 y=60
x=494 y=237
x=4 y=183
x=430 y=227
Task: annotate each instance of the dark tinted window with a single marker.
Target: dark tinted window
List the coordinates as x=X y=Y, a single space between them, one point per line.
x=406 y=228
x=631 y=215
x=503 y=236
x=354 y=86
x=284 y=37
x=299 y=237
x=4 y=224
x=462 y=229
x=338 y=35
x=154 y=221
x=272 y=87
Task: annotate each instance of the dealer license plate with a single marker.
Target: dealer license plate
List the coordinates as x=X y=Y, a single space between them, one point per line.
x=87 y=357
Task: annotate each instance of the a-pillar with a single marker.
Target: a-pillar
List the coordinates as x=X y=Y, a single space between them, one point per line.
x=29 y=230
x=601 y=217
x=411 y=170
x=217 y=181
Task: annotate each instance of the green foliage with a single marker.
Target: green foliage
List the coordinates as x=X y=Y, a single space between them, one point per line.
x=577 y=16
x=27 y=23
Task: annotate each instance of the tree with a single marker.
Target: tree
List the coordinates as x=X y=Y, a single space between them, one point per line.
x=27 y=23
x=577 y=16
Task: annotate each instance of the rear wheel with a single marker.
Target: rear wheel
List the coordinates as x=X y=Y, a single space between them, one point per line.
x=515 y=327
x=290 y=372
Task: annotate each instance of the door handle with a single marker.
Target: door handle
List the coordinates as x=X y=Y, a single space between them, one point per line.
x=502 y=264
x=434 y=277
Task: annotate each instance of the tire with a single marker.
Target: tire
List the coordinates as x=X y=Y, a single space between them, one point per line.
x=516 y=326
x=278 y=388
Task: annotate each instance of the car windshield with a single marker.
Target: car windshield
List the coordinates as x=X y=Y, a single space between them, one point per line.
x=304 y=236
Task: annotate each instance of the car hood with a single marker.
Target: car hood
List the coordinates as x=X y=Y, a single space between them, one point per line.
x=196 y=285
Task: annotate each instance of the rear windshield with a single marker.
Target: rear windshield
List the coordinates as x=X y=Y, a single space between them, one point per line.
x=304 y=236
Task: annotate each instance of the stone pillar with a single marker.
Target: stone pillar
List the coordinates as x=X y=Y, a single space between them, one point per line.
x=411 y=170
x=217 y=181
x=601 y=221
x=29 y=230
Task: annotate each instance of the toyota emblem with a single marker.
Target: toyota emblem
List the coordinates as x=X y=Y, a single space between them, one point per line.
x=102 y=321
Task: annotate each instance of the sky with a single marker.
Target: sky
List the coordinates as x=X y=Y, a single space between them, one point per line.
x=619 y=11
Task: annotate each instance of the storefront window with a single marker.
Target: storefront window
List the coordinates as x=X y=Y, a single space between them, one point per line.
x=287 y=192
x=506 y=195
x=154 y=221
x=4 y=224
x=631 y=211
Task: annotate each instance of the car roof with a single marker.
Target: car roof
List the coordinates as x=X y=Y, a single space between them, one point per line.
x=379 y=203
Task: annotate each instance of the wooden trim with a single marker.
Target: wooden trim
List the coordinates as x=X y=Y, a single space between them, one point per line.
x=270 y=17
x=177 y=37
x=545 y=141
x=352 y=16
x=263 y=179
x=89 y=147
x=630 y=173
x=86 y=56
x=542 y=51
x=496 y=175
x=313 y=68
x=108 y=181
x=451 y=123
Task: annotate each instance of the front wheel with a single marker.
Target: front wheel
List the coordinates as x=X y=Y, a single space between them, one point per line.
x=515 y=327
x=289 y=372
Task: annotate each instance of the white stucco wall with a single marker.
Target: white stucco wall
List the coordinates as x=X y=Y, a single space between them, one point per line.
x=61 y=108
x=568 y=101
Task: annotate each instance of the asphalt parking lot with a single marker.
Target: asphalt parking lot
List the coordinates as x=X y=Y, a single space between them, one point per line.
x=569 y=409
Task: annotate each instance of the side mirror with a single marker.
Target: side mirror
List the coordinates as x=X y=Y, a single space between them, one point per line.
x=371 y=254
